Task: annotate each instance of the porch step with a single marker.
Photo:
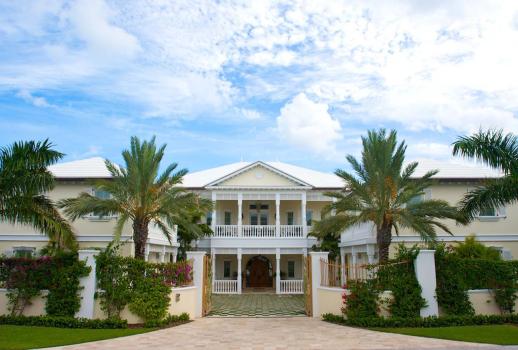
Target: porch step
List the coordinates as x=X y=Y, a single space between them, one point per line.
x=257 y=305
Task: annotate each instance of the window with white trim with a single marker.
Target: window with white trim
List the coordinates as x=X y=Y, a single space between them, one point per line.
x=101 y=195
x=290 y=218
x=23 y=252
x=208 y=218
x=291 y=269
x=309 y=217
x=226 y=269
x=228 y=218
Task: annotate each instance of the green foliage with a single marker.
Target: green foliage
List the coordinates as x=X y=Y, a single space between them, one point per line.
x=500 y=152
x=150 y=298
x=168 y=321
x=141 y=194
x=24 y=178
x=455 y=276
x=398 y=276
x=432 y=321
x=473 y=249
x=62 y=322
x=452 y=289
x=145 y=287
x=25 y=278
x=383 y=191
x=362 y=300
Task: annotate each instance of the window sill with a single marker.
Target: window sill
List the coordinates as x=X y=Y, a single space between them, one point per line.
x=99 y=219
x=490 y=218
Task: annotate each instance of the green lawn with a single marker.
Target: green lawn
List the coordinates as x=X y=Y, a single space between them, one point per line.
x=23 y=337
x=493 y=334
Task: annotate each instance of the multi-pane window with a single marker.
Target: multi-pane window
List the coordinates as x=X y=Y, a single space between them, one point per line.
x=291 y=269
x=23 y=252
x=101 y=195
x=228 y=218
x=309 y=218
x=258 y=214
x=290 y=216
x=488 y=212
x=226 y=269
x=208 y=218
x=416 y=200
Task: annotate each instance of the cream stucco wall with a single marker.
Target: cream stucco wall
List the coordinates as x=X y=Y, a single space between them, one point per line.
x=185 y=302
x=36 y=308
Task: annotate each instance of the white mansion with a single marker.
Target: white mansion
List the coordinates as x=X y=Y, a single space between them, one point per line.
x=262 y=215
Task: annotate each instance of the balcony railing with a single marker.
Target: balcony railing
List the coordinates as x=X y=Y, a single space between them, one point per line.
x=256 y=231
x=226 y=231
x=292 y=287
x=225 y=287
x=292 y=231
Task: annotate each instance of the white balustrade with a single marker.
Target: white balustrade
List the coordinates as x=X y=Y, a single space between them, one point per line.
x=292 y=231
x=226 y=231
x=292 y=287
x=225 y=287
x=256 y=231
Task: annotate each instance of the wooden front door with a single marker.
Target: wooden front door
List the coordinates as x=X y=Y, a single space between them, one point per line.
x=259 y=274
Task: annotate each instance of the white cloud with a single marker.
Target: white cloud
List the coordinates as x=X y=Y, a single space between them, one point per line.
x=308 y=125
x=250 y=114
x=35 y=100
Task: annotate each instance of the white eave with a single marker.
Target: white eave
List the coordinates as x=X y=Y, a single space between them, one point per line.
x=90 y=168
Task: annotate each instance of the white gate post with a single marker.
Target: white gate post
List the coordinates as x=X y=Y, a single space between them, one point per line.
x=88 y=285
x=424 y=265
x=197 y=278
x=316 y=279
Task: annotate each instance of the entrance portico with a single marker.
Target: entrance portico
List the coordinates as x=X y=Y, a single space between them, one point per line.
x=248 y=270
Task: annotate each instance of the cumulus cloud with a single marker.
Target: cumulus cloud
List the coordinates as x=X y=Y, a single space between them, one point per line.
x=308 y=125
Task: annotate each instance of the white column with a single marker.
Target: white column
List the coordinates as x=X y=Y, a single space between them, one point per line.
x=214 y=213
x=213 y=259
x=343 y=273
x=303 y=214
x=88 y=285
x=370 y=253
x=315 y=278
x=174 y=253
x=162 y=255
x=197 y=278
x=278 y=271
x=239 y=272
x=146 y=252
x=239 y=214
x=277 y=215
x=333 y=211
x=424 y=265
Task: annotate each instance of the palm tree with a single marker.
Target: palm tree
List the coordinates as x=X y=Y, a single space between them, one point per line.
x=382 y=191
x=24 y=180
x=499 y=151
x=138 y=193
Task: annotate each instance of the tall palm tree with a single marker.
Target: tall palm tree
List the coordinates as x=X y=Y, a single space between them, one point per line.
x=382 y=191
x=24 y=180
x=500 y=152
x=140 y=194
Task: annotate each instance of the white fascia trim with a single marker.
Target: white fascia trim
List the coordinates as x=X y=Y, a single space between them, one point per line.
x=458 y=238
x=272 y=188
x=250 y=166
x=82 y=238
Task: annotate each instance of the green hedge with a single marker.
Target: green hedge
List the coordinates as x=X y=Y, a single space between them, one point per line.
x=427 y=322
x=62 y=322
x=170 y=320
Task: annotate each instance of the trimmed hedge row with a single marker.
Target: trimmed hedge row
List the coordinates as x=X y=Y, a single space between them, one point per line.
x=426 y=322
x=62 y=322
x=170 y=320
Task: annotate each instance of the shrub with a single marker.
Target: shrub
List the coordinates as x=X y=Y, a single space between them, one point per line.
x=62 y=322
x=432 y=321
x=362 y=300
x=150 y=299
x=170 y=320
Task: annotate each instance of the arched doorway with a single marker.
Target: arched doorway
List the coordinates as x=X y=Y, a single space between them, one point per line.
x=259 y=272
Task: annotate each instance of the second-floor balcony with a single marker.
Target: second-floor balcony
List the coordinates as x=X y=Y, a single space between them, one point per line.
x=259 y=231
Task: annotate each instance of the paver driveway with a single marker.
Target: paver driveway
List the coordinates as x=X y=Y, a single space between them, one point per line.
x=257 y=305
x=271 y=333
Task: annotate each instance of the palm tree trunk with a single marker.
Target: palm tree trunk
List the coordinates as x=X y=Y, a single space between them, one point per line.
x=140 y=233
x=383 y=238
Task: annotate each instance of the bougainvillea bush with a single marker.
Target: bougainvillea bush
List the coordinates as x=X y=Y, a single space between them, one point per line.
x=26 y=278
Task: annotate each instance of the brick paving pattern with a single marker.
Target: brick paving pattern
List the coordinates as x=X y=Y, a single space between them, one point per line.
x=257 y=305
x=274 y=334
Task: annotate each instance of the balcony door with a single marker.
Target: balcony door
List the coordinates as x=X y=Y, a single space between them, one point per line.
x=259 y=214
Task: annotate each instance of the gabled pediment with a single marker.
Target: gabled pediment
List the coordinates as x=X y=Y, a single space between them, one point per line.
x=259 y=175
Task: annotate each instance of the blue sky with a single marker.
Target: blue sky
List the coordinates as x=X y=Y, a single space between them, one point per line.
x=296 y=81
